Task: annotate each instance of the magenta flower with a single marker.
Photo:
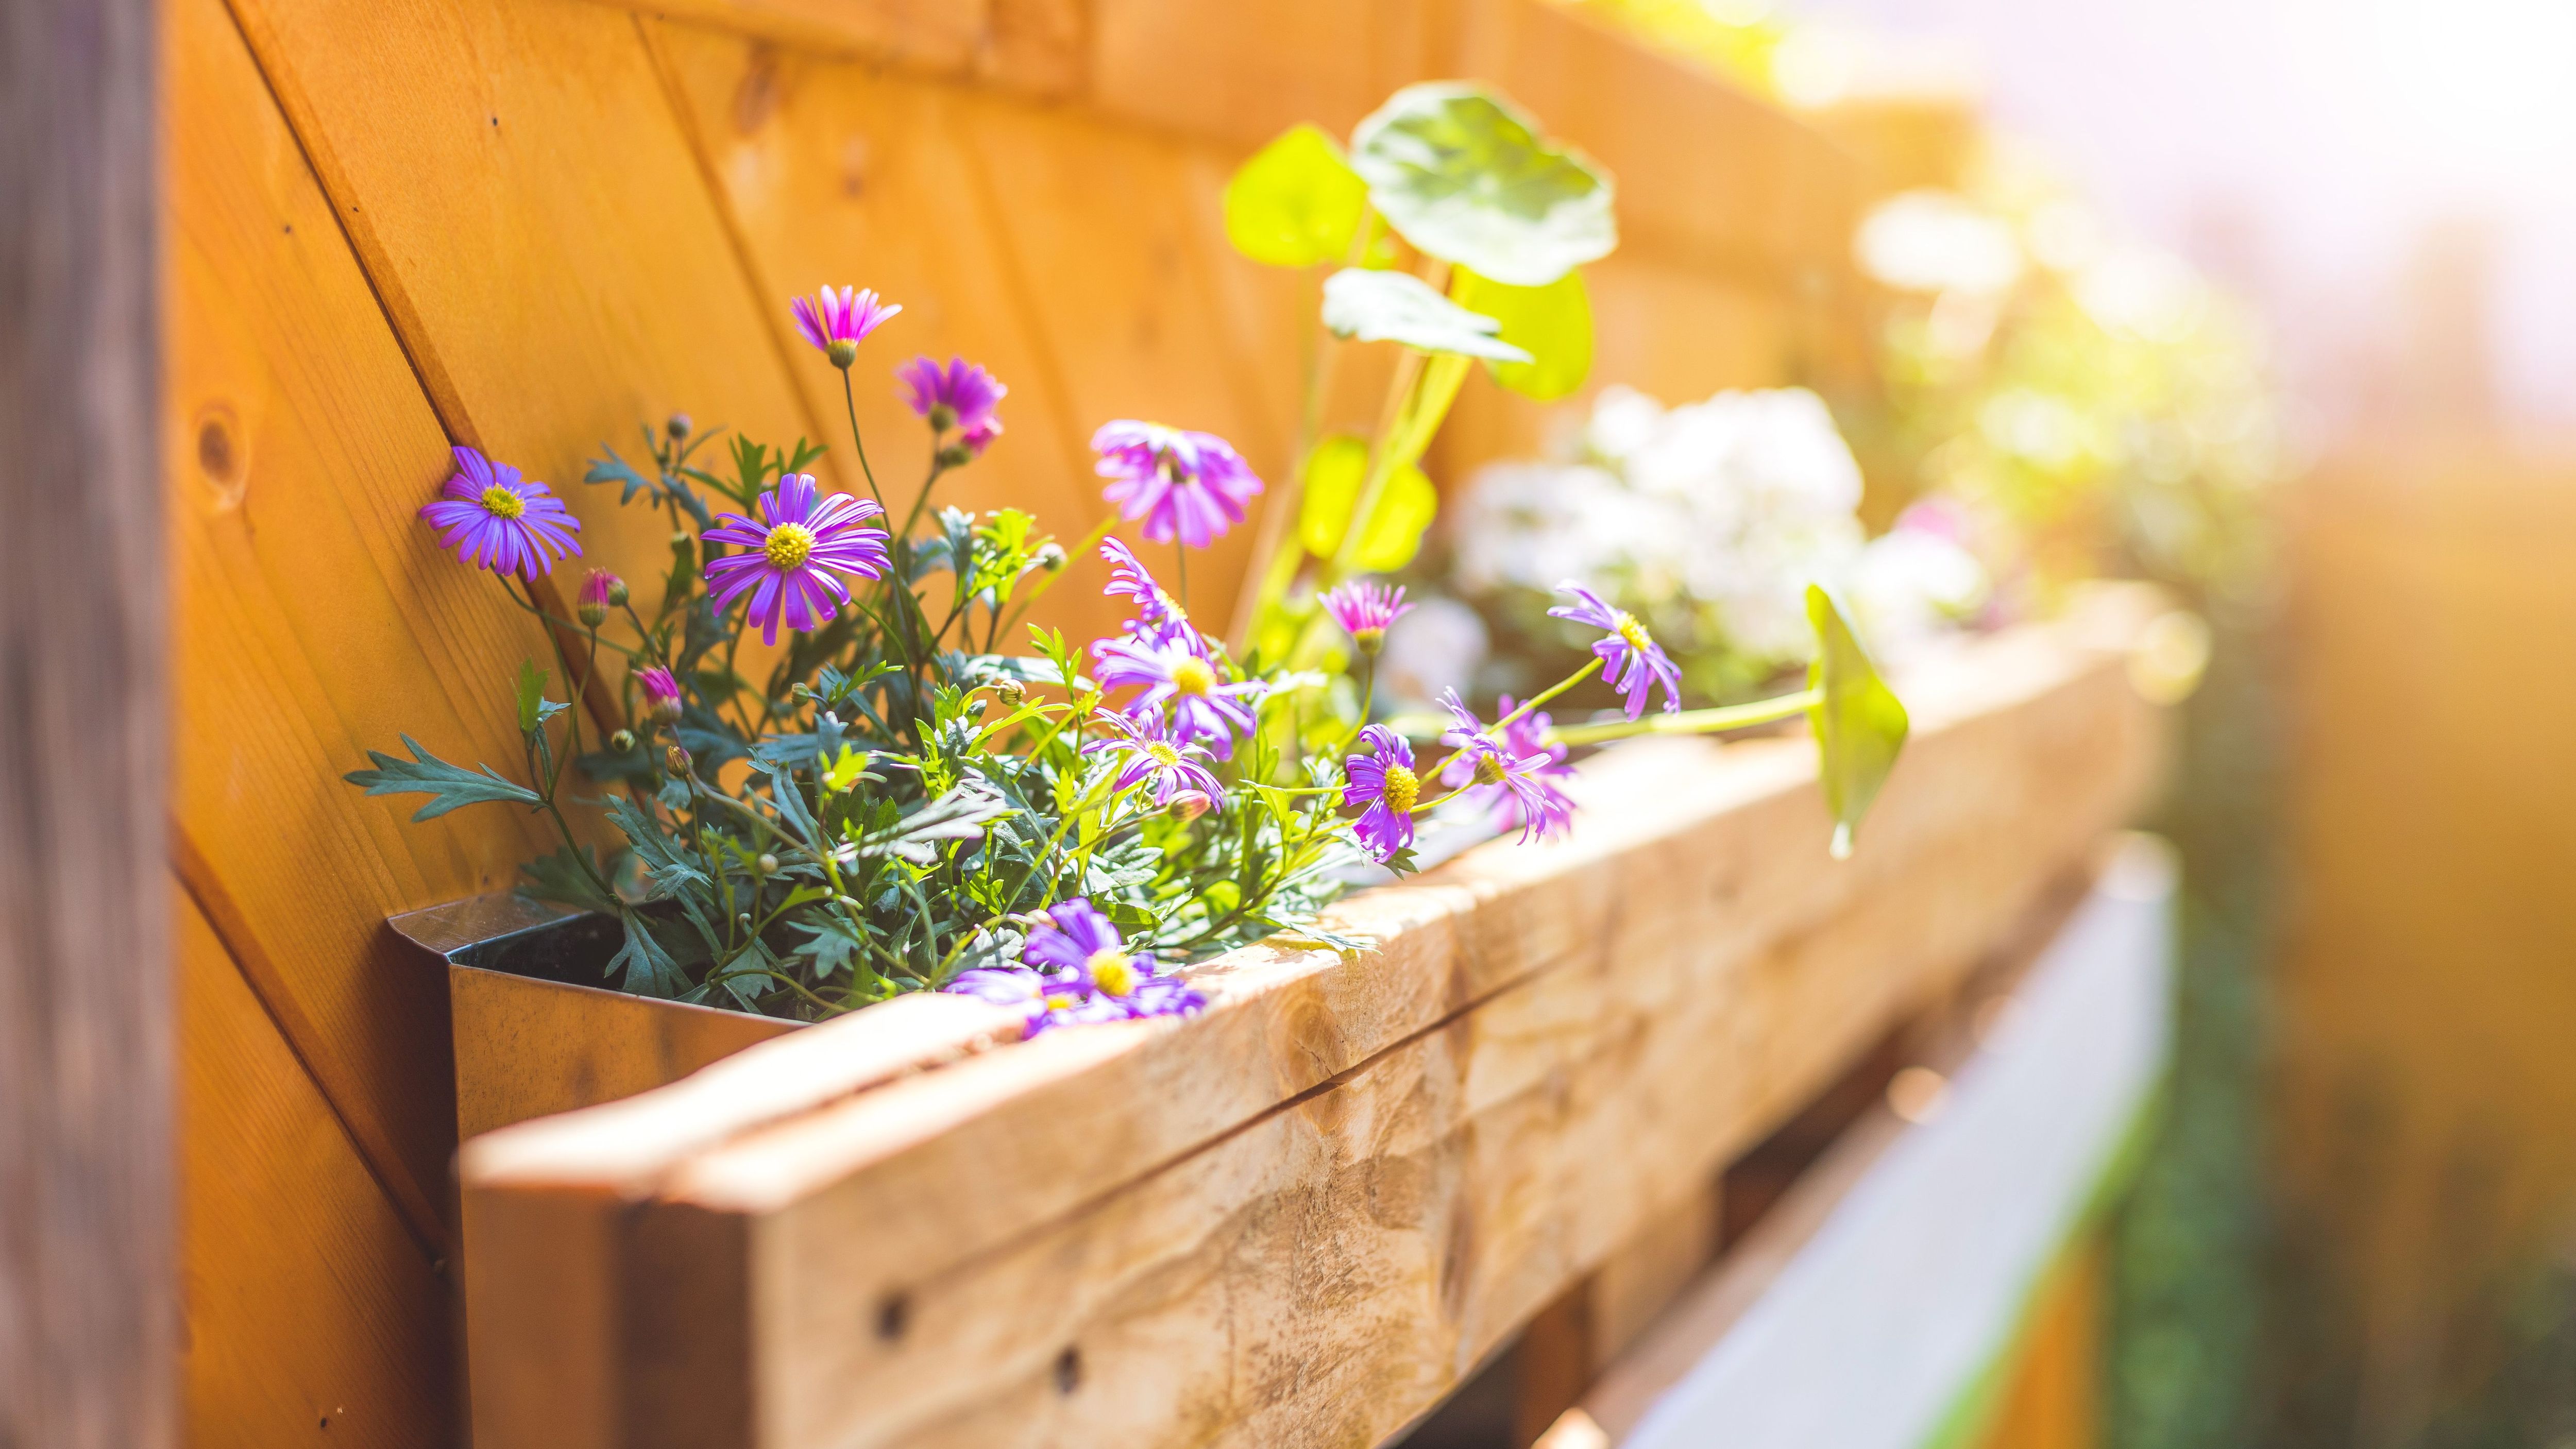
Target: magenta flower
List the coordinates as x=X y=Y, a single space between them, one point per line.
x=838 y=321
x=960 y=395
x=1520 y=765
x=795 y=553
x=1528 y=800
x=599 y=591
x=1173 y=667
x=1365 y=610
x=661 y=694
x=1190 y=485
x=1156 y=611
x=1170 y=767
x=495 y=521
x=1630 y=658
x=1386 y=784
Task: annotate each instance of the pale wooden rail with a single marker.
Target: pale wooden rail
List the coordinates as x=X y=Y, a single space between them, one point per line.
x=1301 y=1217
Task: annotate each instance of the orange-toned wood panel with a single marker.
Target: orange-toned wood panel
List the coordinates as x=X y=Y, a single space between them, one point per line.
x=522 y=195
x=837 y=172
x=315 y=617
x=312 y=1317
x=2050 y=1394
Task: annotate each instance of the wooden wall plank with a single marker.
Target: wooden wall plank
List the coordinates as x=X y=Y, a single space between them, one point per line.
x=86 y=1321
x=1302 y=1266
x=834 y=171
x=312 y=1314
x=524 y=200
x=319 y=619
x=1031 y=47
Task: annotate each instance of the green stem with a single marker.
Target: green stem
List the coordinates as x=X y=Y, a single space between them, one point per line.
x=850 y=401
x=1692 y=722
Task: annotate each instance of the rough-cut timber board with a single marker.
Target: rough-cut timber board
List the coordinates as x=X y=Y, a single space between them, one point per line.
x=1300 y=1217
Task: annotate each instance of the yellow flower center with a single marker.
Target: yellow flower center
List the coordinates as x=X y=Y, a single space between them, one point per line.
x=500 y=502
x=1162 y=754
x=1055 y=1002
x=789 y=545
x=1193 y=676
x=1112 y=970
x=1634 y=632
x=1402 y=788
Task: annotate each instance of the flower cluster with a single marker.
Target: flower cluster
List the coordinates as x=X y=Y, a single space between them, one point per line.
x=883 y=797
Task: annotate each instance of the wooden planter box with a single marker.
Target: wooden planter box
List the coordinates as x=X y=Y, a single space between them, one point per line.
x=1303 y=1216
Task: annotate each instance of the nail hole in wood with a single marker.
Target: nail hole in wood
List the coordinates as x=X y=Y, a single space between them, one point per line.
x=894 y=1315
x=1068 y=1371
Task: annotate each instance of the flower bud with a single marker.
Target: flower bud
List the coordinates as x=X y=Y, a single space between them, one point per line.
x=617 y=595
x=676 y=760
x=1189 y=804
x=1011 y=693
x=1051 y=557
x=942 y=417
x=621 y=742
x=685 y=550
x=956 y=455
x=843 y=351
x=678 y=427
x=592 y=607
x=1370 y=641
x=768 y=863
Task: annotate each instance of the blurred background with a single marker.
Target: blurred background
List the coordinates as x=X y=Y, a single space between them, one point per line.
x=2359 y=1225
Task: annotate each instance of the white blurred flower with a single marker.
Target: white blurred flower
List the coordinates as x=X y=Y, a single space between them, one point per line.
x=2143 y=293
x=1936 y=241
x=1437 y=645
x=1915 y=580
x=1709 y=520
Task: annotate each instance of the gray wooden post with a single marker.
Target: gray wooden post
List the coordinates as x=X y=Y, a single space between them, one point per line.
x=88 y=1326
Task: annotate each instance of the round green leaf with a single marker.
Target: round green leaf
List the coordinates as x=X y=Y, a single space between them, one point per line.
x=1860 y=724
x=1334 y=473
x=1465 y=177
x=1553 y=324
x=1296 y=203
x=1378 y=306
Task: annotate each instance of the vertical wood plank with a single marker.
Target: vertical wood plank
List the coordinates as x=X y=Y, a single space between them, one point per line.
x=86 y=1327
x=312 y=1314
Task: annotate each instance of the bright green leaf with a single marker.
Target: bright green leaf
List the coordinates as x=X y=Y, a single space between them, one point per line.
x=532 y=694
x=1398 y=307
x=1553 y=324
x=1465 y=177
x=1296 y=203
x=1860 y=724
x=1334 y=473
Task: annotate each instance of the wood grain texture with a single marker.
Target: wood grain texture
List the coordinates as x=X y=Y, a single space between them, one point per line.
x=526 y=205
x=1032 y=47
x=312 y=1315
x=320 y=620
x=1354 y=1177
x=87 y=1327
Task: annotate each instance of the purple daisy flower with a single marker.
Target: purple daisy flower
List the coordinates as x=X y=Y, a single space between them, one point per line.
x=1190 y=485
x=960 y=395
x=838 y=321
x=1173 y=666
x=496 y=521
x=1630 y=658
x=1365 y=610
x=1172 y=767
x=1042 y=1000
x=1082 y=947
x=1156 y=611
x=1522 y=739
x=1386 y=784
x=1520 y=767
x=794 y=554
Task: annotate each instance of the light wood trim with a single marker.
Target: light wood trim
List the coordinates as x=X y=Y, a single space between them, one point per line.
x=1299 y=1218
